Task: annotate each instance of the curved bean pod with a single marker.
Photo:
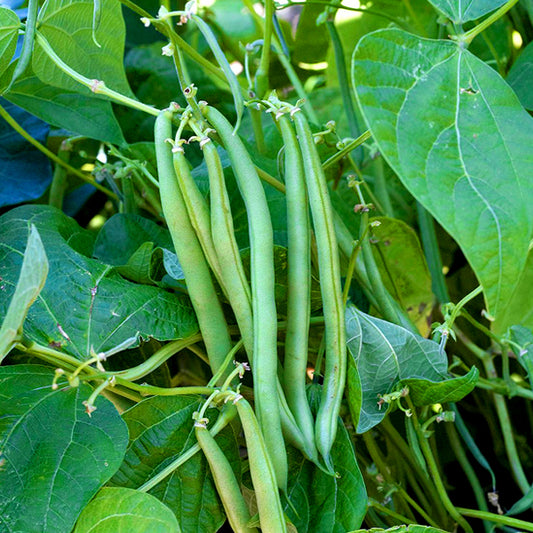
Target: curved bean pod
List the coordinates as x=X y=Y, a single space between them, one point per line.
x=227 y=485
x=330 y=287
x=197 y=210
x=223 y=237
x=265 y=359
x=269 y=506
x=298 y=281
x=197 y=275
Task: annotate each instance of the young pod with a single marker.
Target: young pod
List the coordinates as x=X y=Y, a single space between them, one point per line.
x=330 y=287
x=200 y=286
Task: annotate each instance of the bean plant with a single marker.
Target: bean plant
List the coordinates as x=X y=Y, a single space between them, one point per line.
x=266 y=266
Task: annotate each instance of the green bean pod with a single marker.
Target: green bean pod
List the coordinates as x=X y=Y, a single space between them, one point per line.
x=265 y=358
x=227 y=251
x=197 y=209
x=227 y=485
x=331 y=290
x=197 y=275
x=298 y=281
x=271 y=515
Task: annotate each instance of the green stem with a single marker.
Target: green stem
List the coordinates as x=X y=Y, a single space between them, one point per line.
x=522 y=525
x=432 y=253
x=96 y=86
x=416 y=507
x=223 y=420
x=59 y=179
x=352 y=145
x=157 y=359
x=457 y=308
x=507 y=432
x=470 y=473
x=21 y=131
x=382 y=191
x=385 y=510
x=149 y=390
x=468 y=37
x=435 y=474
x=261 y=76
x=344 y=83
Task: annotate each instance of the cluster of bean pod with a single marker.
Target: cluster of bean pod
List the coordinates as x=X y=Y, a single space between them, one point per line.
x=204 y=240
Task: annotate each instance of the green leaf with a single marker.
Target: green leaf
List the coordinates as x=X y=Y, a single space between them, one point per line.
x=30 y=283
x=82 y=114
x=520 y=308
x=85 y=305
x=404 y=270
x=311 y=41
x=426 y=392
x=54 y=455
x=384 y=355
x=9 y=29
x=161 y=429
x=67 y=25
x=138 y=248
x=520 y=77
x=116 y=509
x=325 y=502
x=460 y=12
x=447 y=123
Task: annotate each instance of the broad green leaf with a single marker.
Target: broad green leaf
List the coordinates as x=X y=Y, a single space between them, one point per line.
x=447 y=124
x=324 y=502
x=386 y=354
x=404 y=270
x=9 y=29
x=81 y=114
x=30 y=283
x=138 y=248
x=117 y=509
x=161 y=429
x=426 y=392
x=461 y=11
x=520 y=308
x=520 y=77
x=67 y=25
x=311 y=41
x=84 y=305
x=54 y=455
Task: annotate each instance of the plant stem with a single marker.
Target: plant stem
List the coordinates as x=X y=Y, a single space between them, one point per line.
x=497 y=518
x=222 y=421
x=157 y=359
x=59 y=179
x=385 y=510
x=21 y=131
x=352 y=145
x=457 y=307
x=344 y=83
x=470 y=473
x=435 y=474
x=468 y=37
x=382 y=191
x=96 y=86
x=432 y=253
x=507 y=432
x=261 y=76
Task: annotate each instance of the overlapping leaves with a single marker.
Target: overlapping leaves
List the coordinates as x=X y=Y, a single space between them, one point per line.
x=447 y=123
